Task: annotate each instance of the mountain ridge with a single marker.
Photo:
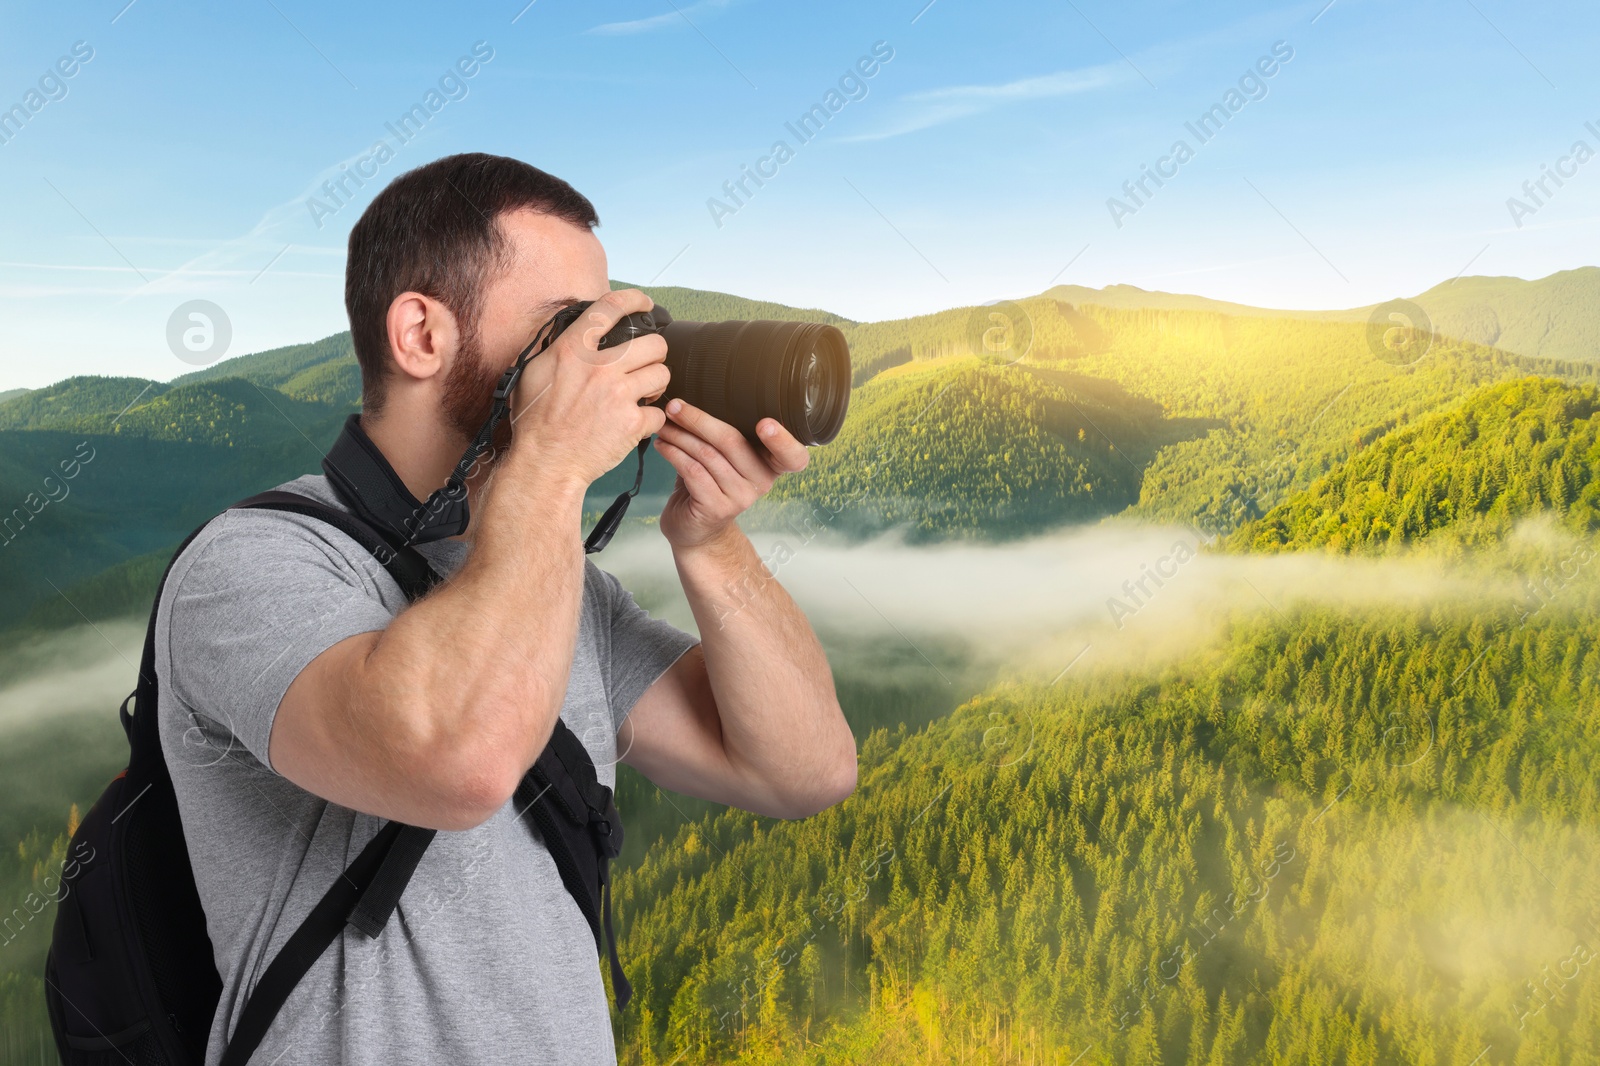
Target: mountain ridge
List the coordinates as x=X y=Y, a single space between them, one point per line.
x=1539 y=317
x=1550 y=317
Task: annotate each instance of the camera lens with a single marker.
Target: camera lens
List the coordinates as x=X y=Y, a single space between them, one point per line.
x=813 y=379
x=742 y=372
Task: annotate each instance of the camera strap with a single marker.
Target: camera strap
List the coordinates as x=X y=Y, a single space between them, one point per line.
x=365 y=480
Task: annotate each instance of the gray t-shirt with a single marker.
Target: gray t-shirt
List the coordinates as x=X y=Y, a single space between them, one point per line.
x=487 y=959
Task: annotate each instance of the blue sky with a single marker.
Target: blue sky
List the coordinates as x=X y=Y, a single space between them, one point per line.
x=976 y=163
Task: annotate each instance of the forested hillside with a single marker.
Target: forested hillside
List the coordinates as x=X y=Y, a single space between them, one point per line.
x=1295 y=399
x=957 y=447
x=291 y=370
x=1467 y=473
x=1334 y=840
x=1557 y=317
x=75 y=403
x=97 y=470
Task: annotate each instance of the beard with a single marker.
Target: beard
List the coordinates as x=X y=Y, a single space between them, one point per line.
x=469 y=395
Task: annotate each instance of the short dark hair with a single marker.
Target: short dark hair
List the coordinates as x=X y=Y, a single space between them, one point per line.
x=435 y=230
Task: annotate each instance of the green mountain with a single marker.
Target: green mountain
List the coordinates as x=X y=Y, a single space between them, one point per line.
x=133 y=494
x=1467 y=473
x=1203 y=418
x=956 y=447
x=1133 y=298
x=1295 y=399
x=148 y=461
x=1556 y=317
x=75 y=402
x=323 y=371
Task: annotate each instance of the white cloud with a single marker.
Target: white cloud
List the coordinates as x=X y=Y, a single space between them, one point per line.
x=656 y=22
x=933 y=107
x=1061 y=83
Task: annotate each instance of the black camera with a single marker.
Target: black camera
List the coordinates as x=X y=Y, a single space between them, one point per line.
x=739 y=372
x=742 y=372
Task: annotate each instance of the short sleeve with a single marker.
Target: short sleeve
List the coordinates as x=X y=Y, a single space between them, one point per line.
x=251 y=604
x=642 y=648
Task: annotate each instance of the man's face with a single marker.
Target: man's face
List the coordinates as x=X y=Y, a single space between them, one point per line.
x=552 y=263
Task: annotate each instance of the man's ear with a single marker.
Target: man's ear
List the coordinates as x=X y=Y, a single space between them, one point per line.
x=422 y=335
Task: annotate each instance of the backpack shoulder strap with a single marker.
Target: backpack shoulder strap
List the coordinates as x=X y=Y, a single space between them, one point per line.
x=382 y=869
x=368 y=891
x=576 y=815
x=403 y=562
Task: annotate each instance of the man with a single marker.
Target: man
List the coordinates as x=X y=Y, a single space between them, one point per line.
x=303 y=702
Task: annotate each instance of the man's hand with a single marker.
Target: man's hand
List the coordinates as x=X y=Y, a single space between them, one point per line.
x=580 y=404
x=750 y=718
x=720 y=473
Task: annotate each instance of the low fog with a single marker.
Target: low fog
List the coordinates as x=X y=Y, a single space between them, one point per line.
x=1132 y=594
x=78 y=671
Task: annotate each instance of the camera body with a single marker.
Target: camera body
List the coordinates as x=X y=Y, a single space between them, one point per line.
x=638 y=324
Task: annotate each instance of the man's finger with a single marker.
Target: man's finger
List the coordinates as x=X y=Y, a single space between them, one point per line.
x=639 y=352
x=785 y=453
x=702 y=485
x=727 y=440
x=729 y=480
x=648 y=382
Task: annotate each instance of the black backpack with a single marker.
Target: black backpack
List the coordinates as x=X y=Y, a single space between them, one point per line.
x=130 y=976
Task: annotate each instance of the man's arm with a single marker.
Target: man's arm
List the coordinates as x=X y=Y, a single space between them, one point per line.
x=434 y=720
x=750 y=717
